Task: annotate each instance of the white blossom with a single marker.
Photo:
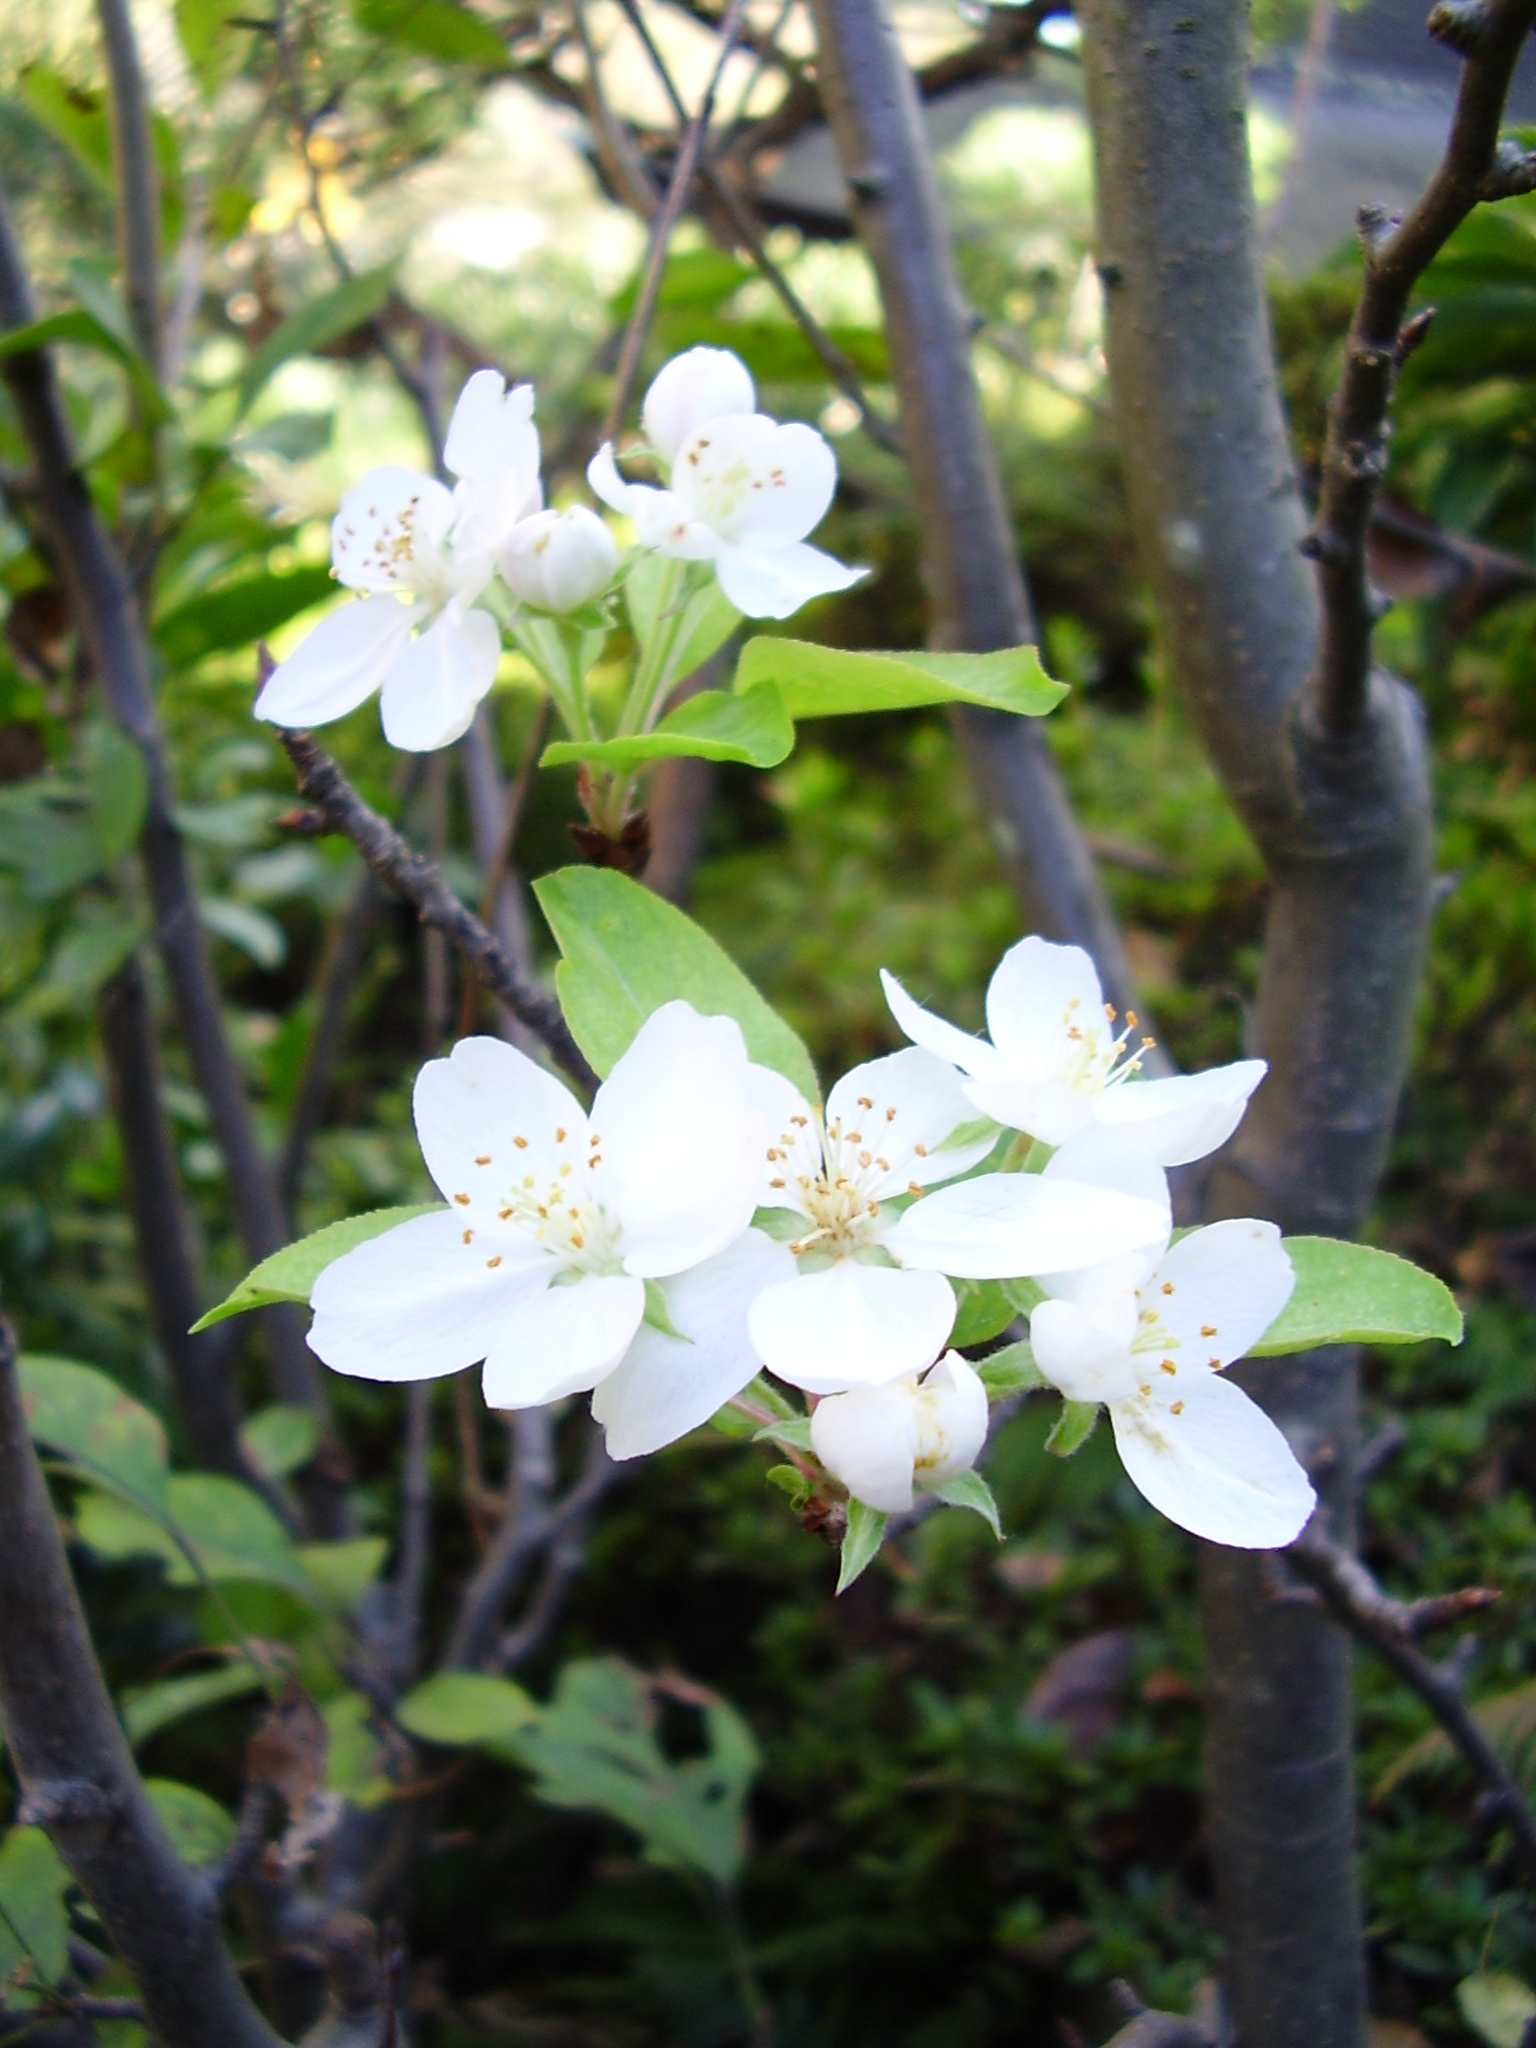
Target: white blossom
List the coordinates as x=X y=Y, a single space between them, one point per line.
x=917 y=1431
x=742 y=491
x=399 y=535
x=870 y=1301
x=558 y=560
x=1061 y=1060
x=1149 y=1336
x=555 y=1223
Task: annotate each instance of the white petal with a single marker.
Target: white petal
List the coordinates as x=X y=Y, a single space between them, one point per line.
x=390 y=529
x=755 y=480
x=339 y=666
x=791 y=1140
x=773 y=582
x=417 y=1301
x=945 y=1041
x=868 y=1440
x=492 y=432
x=1042 y=1105
x=1004 y=1226
x=1185 y=1116
x=701 y=384
x=900 y=1109
x=664 y=1388
x=1080 y=1356
x=558 y=560
x=1220 y=1468
x=1219 y=1289
x=1107 y=1289
x=852 y=1325
x=951 y=1420
x=606 y=482
x=660 y=519
x=563 y=1341
x=486 y=1116
x=1039 y=993
x=431 y=692
x=680 y=1142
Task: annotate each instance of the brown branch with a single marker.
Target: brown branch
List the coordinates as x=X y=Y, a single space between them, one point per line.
x=77 y=1776
x=413 y=877
x=134 y=168
x=1392 y=1629
x=1474 y=168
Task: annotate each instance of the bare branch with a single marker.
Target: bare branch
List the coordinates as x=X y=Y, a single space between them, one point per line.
x=78 y=1779
x=1476 y=166
x=408 y=874
x=1392 y=1629
x=138 y=193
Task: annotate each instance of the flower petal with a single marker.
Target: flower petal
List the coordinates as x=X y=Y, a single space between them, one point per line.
x=951 y=1420
x=945 y=1041
x=680 y=1143
x=1039 y=993
x=486 y=1115
x=339 y=666
x=1004 y=1226
x=755 y=480
x=868 y=1440
x=563 y=1341
x=663 y=1388
x=558 y=560
x=389 y=528
x=699 y=385
x=1107 y=1290
x=1220 y=1468
x=431 y=692
x=492 y=430
x=900 y=1109
x=792 y=1141
x=852 y=1325
x=1081 y=1357
x=1219 y=1289
x=773 y=582
x=416 y=1302
x=1185 y=1116
x=660 y=519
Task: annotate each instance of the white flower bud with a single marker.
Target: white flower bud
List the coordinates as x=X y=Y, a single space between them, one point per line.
x=882 y=1441
x=558 y=560
x=701 y=385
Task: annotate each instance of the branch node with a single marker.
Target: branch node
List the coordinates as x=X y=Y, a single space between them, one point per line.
x=1459 y=24
x=1413 y=331
x=869 y=184
x=1376 y=225
x=1512 y=173
x=65 y=1803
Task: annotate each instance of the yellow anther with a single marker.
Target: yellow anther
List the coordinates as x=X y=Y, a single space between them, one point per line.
x=521 y=1144
x=1167 y=1287
x=462 y=1200
x=921 y=1151
x=1167 y=1365
x=560 y=1134
x=1207 y=1329
x=1176 y=1408
x=866 y=1159
x=484 y=1159
x=865 y=1102
x=494 y=1263
x=469 y=1237
x=1132 y=1019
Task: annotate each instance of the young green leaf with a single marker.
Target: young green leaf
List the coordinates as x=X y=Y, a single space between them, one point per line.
x=1355 y=1294
x=435 y=28
x=200 y=1829
x=278 y=1440
x=289 y=1275
x=318 y=321
x=658 y=1316
x=34 y=1922
x=79 y=1411
x=793 y=1431
x=466 y=1709
x=861 y=1540
x=84 y=329
x=626 y=952
x=831 y=682
x=1072 y=1428
x=1010 y=1371
x=711 y=726
x=970 y=1490
x=149 y=1708
x=984 y=1312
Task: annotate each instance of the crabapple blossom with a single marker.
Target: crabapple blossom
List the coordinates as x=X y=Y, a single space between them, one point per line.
x=918 y=1431
x=870 y=1301
x=1149 y=1336
x=558 y=560
x=555 y=1224
x=1060 y=1061
x=399 y=535
x=742 y=490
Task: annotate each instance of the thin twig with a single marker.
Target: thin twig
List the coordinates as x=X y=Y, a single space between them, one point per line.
x=411 y=1572
x=408 y=874
x=134 y=169
x=1392 y=1628
x=1490 y=35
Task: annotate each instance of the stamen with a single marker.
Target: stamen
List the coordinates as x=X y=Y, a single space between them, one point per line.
x=484 y=1159
x=462 y=1200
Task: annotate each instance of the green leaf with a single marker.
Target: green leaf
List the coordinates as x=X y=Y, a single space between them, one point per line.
x=1497 y=2006
x=773 y=349
x=34 y=1925
x=1508 y=1720
x=626 y=952
x=831 y=682
x=657 y=1314
x=1072 y=1428
x=692 y=277
x=861 y=1540
x=199 y=1828
x=230 y=1531
x=86 y=331
x=80 y=1412
x=1026 y=1295
x=279 y=1439
x=1010 y=1371
x=791 y=1482
x=253 y=932
x=970 y=1490
x=149 y=1708
x=466 y=1710
x=354 y=1755
x=77 y=117
x=290 y=1275
x=792 y=1430
x=343 y=1572
x=1354 y=1294
x=209 y=40
x=984 y=1313
x=435 y=28
x=713 y=725
x=317 y=323
x=238 y=614
x=117 y=783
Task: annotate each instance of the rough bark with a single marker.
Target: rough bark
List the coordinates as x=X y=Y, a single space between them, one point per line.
x=976 y=590
x=1344 y=828
x=78 y=1779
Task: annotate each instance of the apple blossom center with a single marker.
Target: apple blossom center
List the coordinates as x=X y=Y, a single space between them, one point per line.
x=1097 y=1057
x=556 y=1201
x=391 y=547
x=837 y=1183
x=721 y=486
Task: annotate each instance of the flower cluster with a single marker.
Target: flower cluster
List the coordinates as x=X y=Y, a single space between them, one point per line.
x=704 y=1222
x=439 y=571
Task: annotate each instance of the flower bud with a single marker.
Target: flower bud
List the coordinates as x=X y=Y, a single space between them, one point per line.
x=558 y=560
x=701 y=385
x=919 y=1431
